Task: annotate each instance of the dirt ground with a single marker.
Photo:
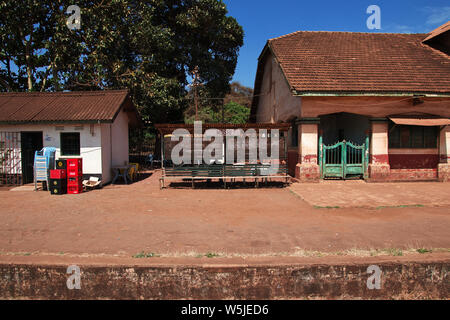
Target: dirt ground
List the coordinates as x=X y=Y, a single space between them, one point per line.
x=124 y=220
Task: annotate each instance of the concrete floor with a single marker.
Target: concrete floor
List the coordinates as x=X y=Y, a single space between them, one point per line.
x=357 y=193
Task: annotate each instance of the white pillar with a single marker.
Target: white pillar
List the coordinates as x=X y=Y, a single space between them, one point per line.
x=308 y=136
x=379 y=168
x=444 y=154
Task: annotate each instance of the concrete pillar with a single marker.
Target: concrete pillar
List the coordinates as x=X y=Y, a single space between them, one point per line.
x=444 y=154
x=379 y=168
x=307 y=169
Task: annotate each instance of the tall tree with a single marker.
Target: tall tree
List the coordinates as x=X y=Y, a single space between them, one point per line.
x=148 y=47
x=233 y=108
x=239 y=94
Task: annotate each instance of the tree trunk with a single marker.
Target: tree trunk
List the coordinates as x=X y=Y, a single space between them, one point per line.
x=28 y=63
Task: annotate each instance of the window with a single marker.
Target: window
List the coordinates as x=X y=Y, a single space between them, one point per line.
x=70 y=144
x=414 y=137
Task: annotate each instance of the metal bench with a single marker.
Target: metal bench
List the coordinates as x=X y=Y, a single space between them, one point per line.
x=226 y=172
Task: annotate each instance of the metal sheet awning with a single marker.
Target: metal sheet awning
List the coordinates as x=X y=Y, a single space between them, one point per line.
x=427 y=122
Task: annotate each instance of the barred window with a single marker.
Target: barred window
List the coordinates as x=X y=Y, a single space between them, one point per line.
x=414 y=137
x=70 y=144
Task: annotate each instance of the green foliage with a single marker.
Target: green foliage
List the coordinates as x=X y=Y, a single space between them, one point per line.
x=211 y=255
x=236 y=113
x=233 y=113
x=148 y=47
x=395 y=252
x=239 y=94
x=236 y=107
x=423 y=251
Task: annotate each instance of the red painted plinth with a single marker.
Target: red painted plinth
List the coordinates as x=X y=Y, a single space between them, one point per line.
x=307 y=172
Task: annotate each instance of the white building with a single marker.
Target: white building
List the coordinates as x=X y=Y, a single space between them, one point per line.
x=89 y=125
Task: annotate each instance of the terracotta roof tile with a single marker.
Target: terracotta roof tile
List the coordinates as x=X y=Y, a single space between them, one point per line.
x=83 y=106
x=438 y=31
x=318 y=61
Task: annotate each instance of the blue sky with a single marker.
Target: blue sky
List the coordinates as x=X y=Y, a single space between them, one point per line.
x=265 y=19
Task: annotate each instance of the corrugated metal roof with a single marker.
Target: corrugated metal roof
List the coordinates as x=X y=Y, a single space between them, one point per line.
x=82 y=106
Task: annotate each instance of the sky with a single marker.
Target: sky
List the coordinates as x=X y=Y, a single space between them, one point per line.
x=265 y=19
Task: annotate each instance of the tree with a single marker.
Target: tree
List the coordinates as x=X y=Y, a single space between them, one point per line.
x=236 y=106
x=148 y=47
x=240 y=94
x=233 y=113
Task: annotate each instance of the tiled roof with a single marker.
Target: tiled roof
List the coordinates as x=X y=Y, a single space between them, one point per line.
x=361 y=63
x=438 y=31
x=82 y=106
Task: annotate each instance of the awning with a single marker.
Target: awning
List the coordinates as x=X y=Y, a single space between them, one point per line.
x=426 y=122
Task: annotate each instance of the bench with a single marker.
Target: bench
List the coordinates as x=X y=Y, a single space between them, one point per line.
x=225 y=172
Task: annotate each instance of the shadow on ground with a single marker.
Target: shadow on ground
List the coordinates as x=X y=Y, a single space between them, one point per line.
x=229 y=185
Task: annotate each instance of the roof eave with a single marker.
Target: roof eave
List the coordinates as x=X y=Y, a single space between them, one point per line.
x=367 y=94
x=55 y=122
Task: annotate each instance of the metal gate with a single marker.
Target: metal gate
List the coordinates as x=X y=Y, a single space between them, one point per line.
x=344 y=160
x=10 y=158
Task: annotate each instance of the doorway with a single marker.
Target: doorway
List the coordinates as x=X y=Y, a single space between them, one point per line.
x=344 y=146
x=344 y=126
x=30 y=143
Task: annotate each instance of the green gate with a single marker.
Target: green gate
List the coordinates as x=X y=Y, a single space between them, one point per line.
x=344 y=160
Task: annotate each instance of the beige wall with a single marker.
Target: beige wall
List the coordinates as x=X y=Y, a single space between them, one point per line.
x=106 y=152
x=308 y=143
x=377 y=107
x=276 y=103
x=119 y=136
x=379 y=143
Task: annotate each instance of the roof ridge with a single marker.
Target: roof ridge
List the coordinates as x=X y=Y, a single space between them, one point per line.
x=349 y=32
